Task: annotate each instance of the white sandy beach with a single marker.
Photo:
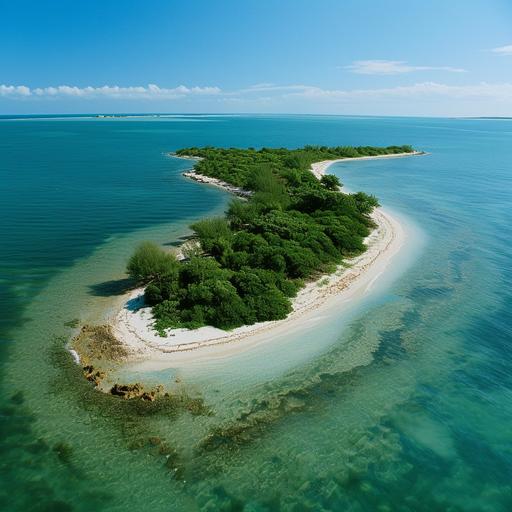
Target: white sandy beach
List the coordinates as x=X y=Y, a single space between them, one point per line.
x=132 y=324
x=319 y=168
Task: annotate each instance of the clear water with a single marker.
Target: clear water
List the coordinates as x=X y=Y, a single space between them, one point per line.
x=402 y=403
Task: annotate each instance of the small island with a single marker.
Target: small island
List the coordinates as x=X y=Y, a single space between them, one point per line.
x=289 y=241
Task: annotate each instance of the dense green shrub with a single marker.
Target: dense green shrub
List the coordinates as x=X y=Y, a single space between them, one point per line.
x=149 y=263
x=214 y=235
x=330 y=182
x=292 y=228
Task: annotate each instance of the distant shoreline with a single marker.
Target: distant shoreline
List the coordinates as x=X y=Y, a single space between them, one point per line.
x=318 y=169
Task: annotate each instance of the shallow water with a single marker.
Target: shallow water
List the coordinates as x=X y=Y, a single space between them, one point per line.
x=402 y=403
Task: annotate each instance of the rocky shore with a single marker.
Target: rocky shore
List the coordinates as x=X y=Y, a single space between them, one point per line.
x=200 y=178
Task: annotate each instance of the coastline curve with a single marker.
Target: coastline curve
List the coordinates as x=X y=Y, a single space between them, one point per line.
x=131 y=325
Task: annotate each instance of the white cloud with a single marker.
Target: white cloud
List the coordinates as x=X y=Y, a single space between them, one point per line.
x=14 y=90
x=151 y=91
x=424 y=89
x=267 y=90
x=503 y=50
x=393 y=67
x=423 y=98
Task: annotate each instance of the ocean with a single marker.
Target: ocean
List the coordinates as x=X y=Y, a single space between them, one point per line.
x=401 y=403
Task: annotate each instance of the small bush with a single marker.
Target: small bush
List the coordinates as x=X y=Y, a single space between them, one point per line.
x=150 y=262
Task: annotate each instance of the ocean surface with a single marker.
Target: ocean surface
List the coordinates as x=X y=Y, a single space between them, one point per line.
x=401 y=403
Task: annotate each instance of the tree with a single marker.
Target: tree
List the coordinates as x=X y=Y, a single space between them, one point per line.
x=212 y=228
x=151 y=263
x=167 y=314
x=330 y=182
x=198 y=270
x=365 y=203
x=270 y=192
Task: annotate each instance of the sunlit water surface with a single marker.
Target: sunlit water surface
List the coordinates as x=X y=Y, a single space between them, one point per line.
x=401 y=402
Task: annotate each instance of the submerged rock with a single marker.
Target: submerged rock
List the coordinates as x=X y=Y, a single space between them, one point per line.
x=93 y=375
x=63 y=451
x=129 y=391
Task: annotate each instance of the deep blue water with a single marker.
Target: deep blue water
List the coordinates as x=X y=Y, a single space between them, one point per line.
x=410 y=410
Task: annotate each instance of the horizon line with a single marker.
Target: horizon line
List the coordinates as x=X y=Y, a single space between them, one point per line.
x=99 y=115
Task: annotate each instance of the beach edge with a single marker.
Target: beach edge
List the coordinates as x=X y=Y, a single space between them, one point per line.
x=133 y=328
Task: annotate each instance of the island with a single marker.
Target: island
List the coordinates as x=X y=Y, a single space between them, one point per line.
x=289 y=241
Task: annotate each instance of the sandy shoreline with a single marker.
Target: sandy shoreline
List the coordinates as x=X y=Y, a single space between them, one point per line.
x=319 y=168
x=131 y=324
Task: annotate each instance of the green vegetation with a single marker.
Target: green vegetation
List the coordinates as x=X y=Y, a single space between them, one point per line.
x=237 y=166
x=330 y=182
x=150 y=263
x=254 y=260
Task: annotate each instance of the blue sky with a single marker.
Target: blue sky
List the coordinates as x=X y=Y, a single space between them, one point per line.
x=367 y=57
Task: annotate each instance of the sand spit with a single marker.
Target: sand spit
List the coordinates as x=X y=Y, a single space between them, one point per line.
x=132 y=323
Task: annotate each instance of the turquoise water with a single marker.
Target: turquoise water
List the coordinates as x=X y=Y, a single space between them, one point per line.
x=402 y=403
